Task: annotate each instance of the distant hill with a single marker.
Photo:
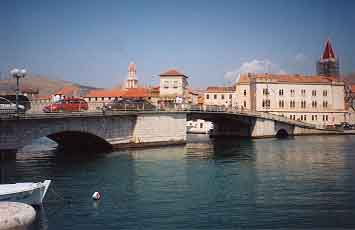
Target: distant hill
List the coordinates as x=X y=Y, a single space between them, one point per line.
x=44 y=85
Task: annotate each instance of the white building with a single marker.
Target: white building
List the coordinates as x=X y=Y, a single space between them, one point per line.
x=221 y=96
x=312 y=99
x=173 y=83
x=173 y=87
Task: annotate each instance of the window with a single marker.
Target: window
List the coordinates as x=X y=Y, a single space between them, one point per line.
x=222 y=96
x=281 y=104
x=315 y=117
x=265 y=91
x=314 y=104
x=245 y=92
x=294 y=117
x=201 y=125
x=325 y=104
x=207 y=96
x=215 y=96
x=95 y=98
x=301 y=117
x=109 y=98
x=245 y=104
x=292 y=104
x=292 y=92
x=305 y=117
x=314 y=93
x=303 y=104
x=325 y=93
x=230 y=96
x=175 y=84
x=281 y=92
x=303 y=92
x=166 y=84
x=325 y=117
x=89 y=98
x=312 y=117
x=266 y=103
x=102 y=99
x=291 y=117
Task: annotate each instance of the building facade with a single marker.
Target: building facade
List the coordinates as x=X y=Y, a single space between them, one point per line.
x=312 y=99
x=220 y=96
x=173 y=89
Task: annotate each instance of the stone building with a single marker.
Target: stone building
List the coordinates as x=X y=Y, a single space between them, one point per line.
x=173 y=87
x=221 y=96
x=312 y=99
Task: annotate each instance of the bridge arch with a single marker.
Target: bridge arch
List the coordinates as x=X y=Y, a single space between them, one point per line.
x=282 y=133
x=80 y=141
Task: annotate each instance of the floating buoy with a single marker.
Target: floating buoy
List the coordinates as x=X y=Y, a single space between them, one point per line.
x=96 y=196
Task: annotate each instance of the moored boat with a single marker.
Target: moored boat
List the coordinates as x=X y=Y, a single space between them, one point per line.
x=29 y=193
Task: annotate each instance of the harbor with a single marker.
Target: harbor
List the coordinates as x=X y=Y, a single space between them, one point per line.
x=207 y=183
x=171 y=114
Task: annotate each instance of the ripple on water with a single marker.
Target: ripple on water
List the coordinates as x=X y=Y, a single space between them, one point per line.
x=302 y=183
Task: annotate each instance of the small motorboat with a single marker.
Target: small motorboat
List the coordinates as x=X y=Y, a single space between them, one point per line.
x=29 y=193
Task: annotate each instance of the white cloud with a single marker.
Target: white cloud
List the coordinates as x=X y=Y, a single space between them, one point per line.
x=300 y=57
x=254 y=66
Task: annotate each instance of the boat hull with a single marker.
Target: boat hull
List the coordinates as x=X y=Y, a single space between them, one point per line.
x=33 y=196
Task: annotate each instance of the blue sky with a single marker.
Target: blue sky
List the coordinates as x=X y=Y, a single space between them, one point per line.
x=91 y=42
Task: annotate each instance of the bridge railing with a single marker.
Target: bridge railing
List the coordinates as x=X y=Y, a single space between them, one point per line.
x=240 y=110
x=96 y=108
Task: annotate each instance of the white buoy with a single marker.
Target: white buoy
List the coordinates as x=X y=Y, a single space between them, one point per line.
x=96 y=196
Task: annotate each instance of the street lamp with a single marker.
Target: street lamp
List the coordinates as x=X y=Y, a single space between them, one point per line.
x=16 y=73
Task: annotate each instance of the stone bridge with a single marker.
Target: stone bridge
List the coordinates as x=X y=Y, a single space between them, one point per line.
x=255 y=124
x=93 y=131
x=105 y=131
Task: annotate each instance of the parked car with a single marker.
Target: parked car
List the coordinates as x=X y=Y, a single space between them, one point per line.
x=125 y=104
x=67 y=105
x=7 y=106
x=345 y=126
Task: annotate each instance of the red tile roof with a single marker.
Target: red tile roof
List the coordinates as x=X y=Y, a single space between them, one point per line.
x=328 y=51
x=286 y=78
x=126 y=93
x=352 y=88
x=136 y=93
x=219 y=89
x=172 y=72
x=105 y=93
x=67 y=90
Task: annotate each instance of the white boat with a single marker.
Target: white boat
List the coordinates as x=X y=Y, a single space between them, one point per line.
x=29 y=193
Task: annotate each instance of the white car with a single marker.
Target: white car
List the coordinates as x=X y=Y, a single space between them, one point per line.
x=7 y=106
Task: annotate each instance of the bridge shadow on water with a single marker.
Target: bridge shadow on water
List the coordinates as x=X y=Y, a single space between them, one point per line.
x=224 y=149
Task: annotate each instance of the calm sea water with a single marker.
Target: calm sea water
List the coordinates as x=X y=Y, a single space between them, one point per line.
x=302 y=183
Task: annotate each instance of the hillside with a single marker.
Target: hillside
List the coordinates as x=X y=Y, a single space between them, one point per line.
x=44 y=85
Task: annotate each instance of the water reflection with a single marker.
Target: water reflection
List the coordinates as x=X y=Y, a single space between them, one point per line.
x=302 y=182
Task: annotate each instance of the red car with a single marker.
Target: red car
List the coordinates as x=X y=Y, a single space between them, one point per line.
x=67 y=105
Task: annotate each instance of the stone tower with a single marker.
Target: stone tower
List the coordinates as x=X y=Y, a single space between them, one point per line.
x=132 y=81
x=328 y=64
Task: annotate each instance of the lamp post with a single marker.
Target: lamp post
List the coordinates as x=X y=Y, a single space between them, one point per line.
x=16 y=73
